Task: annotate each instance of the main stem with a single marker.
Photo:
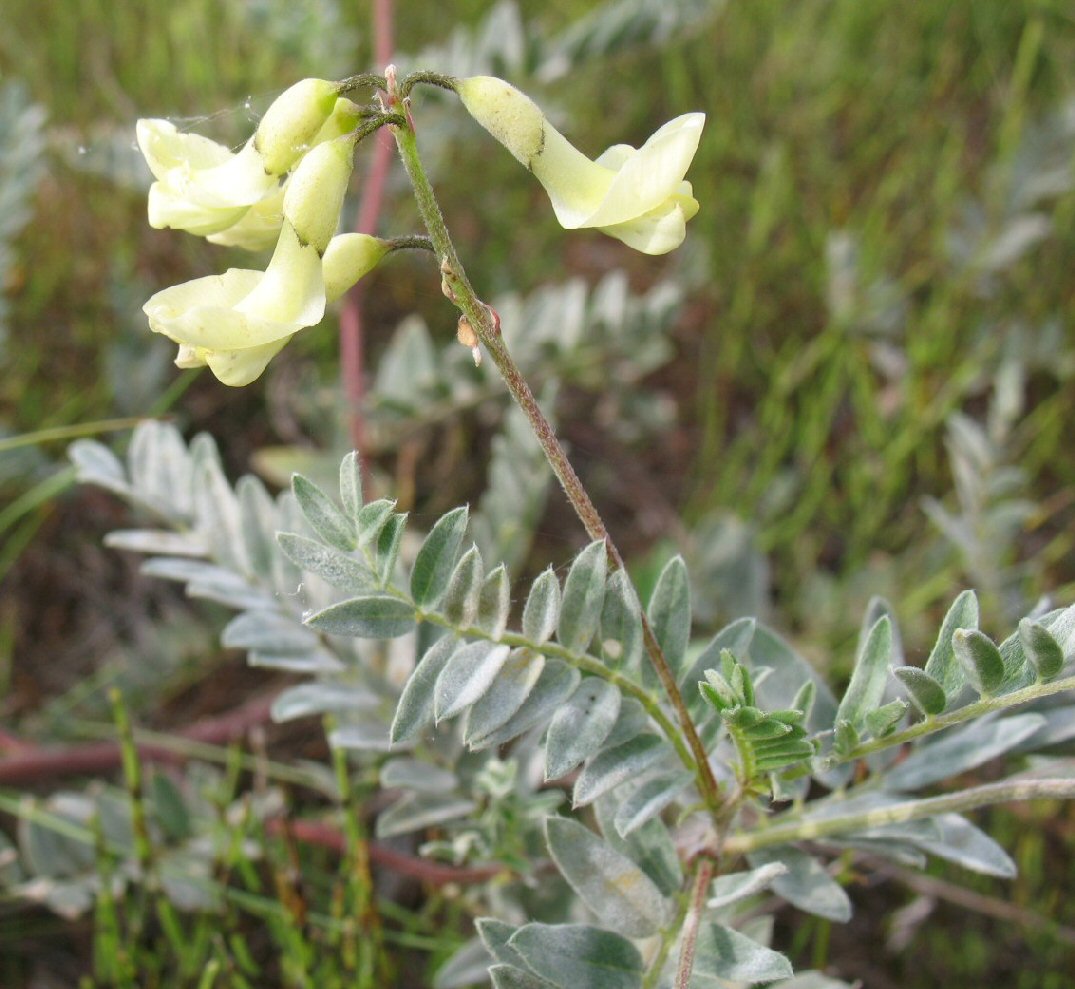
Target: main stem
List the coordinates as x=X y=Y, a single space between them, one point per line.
x=480 y=318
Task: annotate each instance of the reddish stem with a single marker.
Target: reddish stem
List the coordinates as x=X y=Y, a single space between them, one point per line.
x=369 y=213
x=326 y=836
x=30 y=763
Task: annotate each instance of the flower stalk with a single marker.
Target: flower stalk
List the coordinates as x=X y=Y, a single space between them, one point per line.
x=481 y=320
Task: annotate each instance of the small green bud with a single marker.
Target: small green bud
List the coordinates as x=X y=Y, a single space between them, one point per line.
x=980 y=658
x=349 y=257
x=717 y=691
x=314 y=194
x=1043 y=652
x=292 y=121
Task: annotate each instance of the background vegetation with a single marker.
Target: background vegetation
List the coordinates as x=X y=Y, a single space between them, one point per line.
x=866 y=389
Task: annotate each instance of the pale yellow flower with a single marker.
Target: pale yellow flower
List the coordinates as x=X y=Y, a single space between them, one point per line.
x=638 y=195
x=200 y=186
x=237 y=322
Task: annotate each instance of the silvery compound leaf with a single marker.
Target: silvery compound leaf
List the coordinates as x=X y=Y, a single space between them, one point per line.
x=670 y=612
x=724 y=954
x=467 y=967
x=231 y=590
x=96 y=464
x=315 y=661
x=337 y=569
x=649 y=846
x=69 y=899
x=460 y=602
x=372 y=518
x=983 y=665
x=369 y=616
x=961 y=749
x=319 y=698
x=367 y=734
x=738 y=886
x=510 y=977
x=631 y=722
x=437 y=557
x=517 y=677
x=966 y=845
x=466 y=676
x=258 y=523
x=268 y=632
x=542 y=610
x=584 y=594
x=869 y=677
x=416 y=811
x=412 y=774
x=389 y=541
x=555 y=684
x=580 y=726
x=926 y=694
x=574 y=955
x=351 y=484
x=217 y=517
x=495 y=935
x=651 y=797
x=611 y=767
x=494 y=602
x=622 y=896
x=414 y=711
x=805 y=883
x=811 y=980
x=1041 y=649
x=324 y=516
x=621 y=624
x=1058 y=727
x=942 y=664
x=160 y=541
x=160 y=468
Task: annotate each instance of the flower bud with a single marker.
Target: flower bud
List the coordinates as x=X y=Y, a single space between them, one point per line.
x=314 y=194
x=292 y=122
x=348 y=258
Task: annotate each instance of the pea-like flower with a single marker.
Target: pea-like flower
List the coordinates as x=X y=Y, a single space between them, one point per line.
x=200 y=186
x=238 y=321
x=235 y=198
x=638 y=195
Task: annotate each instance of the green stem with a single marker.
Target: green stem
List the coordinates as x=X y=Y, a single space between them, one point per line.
x=967 y=713
x=586 y=664
x=416 y=242
x=909 y=810
x=364 y=80
x=429 y=78
x=481 y=320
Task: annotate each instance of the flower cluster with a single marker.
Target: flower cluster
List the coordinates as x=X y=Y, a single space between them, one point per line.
x=286 y=186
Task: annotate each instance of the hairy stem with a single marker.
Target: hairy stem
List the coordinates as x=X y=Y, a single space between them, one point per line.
x=483 y=322
x=704 y=869
x=908 y=810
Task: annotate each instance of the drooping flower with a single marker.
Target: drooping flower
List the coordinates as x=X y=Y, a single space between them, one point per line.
x=638 y=196
x=237 y=322
x=206 y=189
x=200 y=186
x=260 y=224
